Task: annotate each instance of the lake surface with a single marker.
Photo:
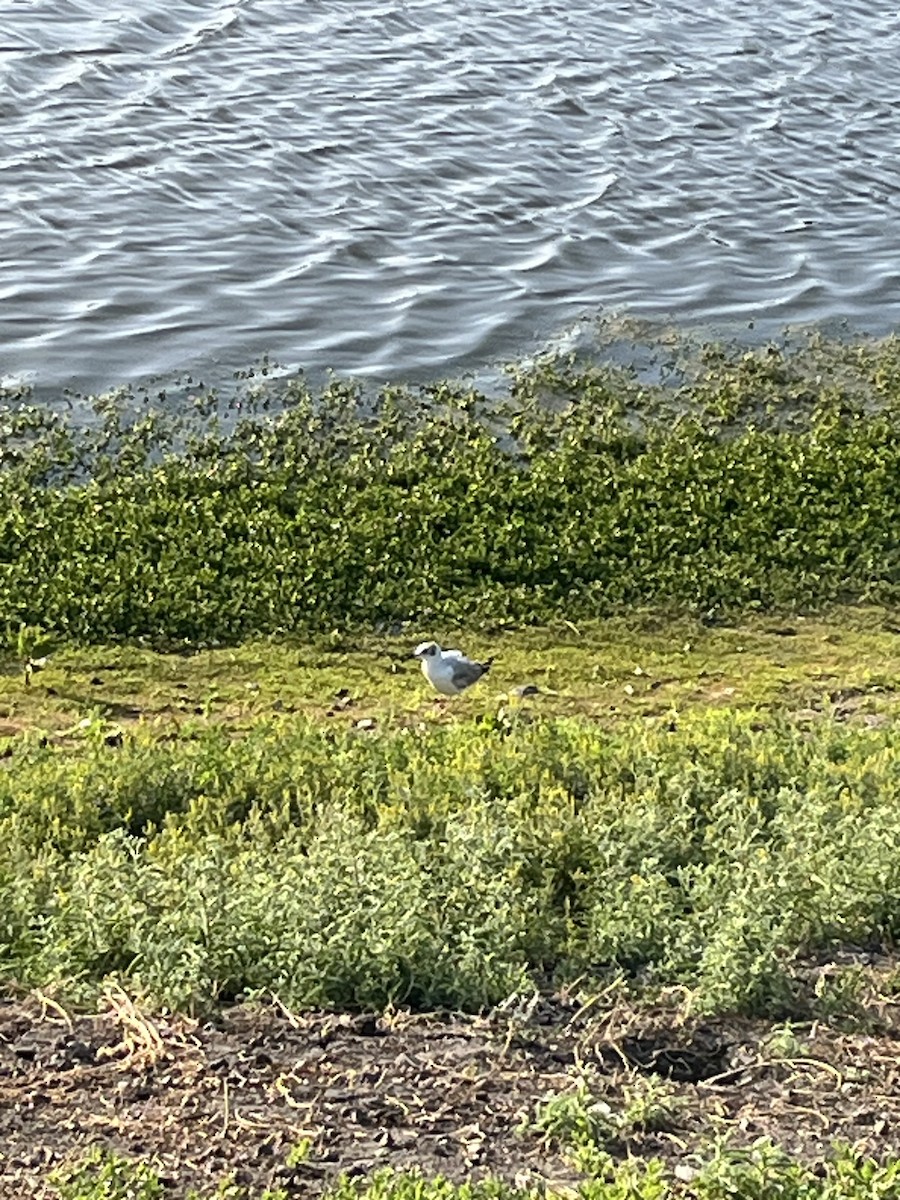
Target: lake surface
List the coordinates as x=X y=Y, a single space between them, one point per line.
x=409 y=189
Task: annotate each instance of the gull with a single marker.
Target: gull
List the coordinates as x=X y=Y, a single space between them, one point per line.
x=449 y=671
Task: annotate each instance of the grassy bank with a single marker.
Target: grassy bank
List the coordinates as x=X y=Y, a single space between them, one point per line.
x=690 y=819
x=223 y=780
x=845 y=663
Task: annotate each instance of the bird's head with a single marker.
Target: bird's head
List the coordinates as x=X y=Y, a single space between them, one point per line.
x=426 y=650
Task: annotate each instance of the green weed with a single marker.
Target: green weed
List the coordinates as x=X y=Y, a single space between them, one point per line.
x=391 y=1185
x=103 y=1176
x=759 y=1173
x=455 y=865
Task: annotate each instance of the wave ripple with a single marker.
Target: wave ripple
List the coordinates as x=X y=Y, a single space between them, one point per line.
x=412 y=187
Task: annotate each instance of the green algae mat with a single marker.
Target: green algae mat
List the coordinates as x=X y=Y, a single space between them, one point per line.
x=764 y=479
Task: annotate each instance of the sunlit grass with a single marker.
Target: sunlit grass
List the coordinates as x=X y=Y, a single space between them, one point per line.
x=450 y=865
x=846 y=663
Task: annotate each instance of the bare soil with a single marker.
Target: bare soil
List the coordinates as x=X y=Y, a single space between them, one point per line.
x=447 y=1093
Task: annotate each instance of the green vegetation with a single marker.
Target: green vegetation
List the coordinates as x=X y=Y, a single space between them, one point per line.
x=584 y=1125
x=585 y=1128
x=845 y=665
x=452 y=865
x=104 y=1176
x=579 y=494
x=758 y=1174
x=222 y=779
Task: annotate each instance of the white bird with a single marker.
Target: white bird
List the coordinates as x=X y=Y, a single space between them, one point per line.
x=449 y=671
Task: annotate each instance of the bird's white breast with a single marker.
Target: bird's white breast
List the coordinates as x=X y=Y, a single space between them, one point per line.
x=439 y=674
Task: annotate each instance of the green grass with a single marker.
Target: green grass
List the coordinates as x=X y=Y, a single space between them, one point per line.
x=845 y=662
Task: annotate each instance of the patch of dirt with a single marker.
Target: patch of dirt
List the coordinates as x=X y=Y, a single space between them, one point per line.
x=446 y=1093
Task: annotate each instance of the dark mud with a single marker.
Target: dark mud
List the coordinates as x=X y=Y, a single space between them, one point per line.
x=204 y=1101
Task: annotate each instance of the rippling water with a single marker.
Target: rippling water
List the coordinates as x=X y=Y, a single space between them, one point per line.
x=421 y=186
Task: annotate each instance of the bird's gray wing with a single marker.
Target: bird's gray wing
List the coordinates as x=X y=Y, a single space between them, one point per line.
x=465 y=672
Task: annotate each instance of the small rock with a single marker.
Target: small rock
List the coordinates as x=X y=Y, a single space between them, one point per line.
x=364 y=1025
x=366 y=723
x=875 y=720
x=72 y=1053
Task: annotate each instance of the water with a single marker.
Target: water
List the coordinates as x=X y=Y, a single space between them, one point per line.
x=404 y=189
